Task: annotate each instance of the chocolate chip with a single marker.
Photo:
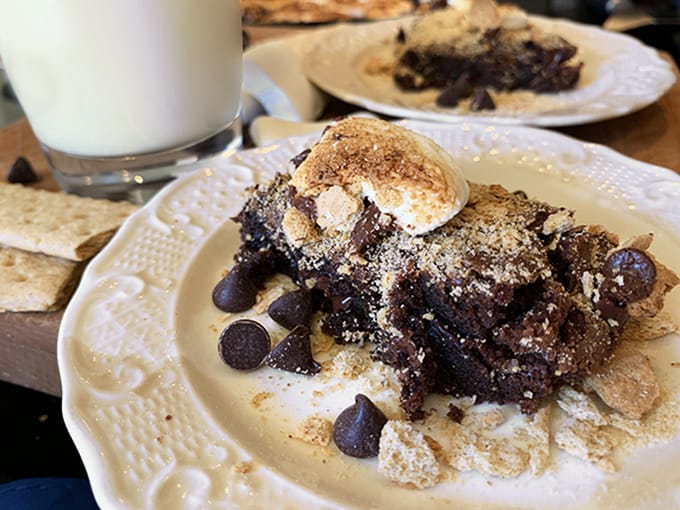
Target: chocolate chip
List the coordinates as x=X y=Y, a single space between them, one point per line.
x=438 y=4
x=367 y=229
x=292 y=309
x=630 y=275
x=244 y=344
x=236 y=292
x=612 y=310
x=22 y=172
x=521 y=194
x=401 y=36
x=482 y=101
x=298 y=159
x=357 y=429
x=452 y=93
x=294 y=353
x=307 y=205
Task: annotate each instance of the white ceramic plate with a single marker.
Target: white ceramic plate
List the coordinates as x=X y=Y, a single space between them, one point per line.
x=620 y=75
x=161 y=423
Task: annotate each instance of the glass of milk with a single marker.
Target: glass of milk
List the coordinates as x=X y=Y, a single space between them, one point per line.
x=124 y=94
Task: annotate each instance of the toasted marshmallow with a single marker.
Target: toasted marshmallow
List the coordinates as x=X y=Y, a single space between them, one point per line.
x=512 y=17
x=403 y=173
x=482 y=14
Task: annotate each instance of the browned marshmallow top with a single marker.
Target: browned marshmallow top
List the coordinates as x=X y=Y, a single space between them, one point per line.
x=405 y=174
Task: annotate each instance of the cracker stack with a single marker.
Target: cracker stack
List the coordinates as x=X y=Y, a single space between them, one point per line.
x=45 y=240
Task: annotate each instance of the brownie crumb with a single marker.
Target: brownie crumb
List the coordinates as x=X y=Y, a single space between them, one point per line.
x=455 y=413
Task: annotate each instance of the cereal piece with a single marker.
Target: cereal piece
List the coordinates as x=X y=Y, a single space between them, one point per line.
x=244 y=344
x=315 y=430
x=294 y=353
x=348 y=364
x=292 y=309
x=473 y=452
x=35 y=282
x=537 y=434
x=626 y=382
x=356 y=430
x=587 y=441
x=405 y=456
x=22 y=172
x=580 y=406
x=56 y=223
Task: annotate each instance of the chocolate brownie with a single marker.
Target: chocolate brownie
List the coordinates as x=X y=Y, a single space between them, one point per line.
x=499 y=296
x=461 y=50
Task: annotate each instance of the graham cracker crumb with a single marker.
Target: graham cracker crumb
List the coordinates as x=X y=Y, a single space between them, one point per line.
x=587 y=441
x=626 y=382
x=640 y=329
x=406 y=457
x=321 y=342
x=558 y=222
x=536 y=433
x=437 y=449
x=379 y=377
x=315 y=430
x=267 y=297
x=494 y=456
x=484 y=420
x=580 y=406
x=242 y=467
x=258 y=398
x=297 y=227
x=348 y=364
x=660 y=424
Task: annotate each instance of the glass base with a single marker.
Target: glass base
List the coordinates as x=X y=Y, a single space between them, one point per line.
x=136 y=178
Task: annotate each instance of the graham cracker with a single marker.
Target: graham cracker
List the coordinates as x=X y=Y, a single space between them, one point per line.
x=57 y=223
x=35 y=282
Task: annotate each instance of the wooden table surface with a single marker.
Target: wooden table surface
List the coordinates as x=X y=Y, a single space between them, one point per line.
x=28 y=340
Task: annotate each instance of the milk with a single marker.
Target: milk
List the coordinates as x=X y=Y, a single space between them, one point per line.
x=120 y=77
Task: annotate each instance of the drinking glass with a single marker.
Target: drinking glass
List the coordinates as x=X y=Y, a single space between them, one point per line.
x=125 y=94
